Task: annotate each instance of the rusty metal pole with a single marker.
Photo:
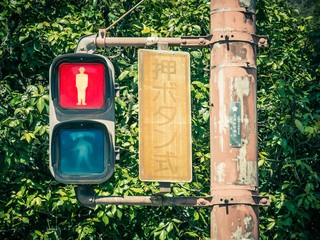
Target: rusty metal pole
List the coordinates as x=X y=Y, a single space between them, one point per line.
x=233 y=120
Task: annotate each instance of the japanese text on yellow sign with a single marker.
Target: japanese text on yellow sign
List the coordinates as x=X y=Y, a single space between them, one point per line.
x=164 y=116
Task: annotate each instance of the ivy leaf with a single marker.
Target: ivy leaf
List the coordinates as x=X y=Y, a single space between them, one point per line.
x=299 y=126
x=105 y=219
x=163 y=235
x=40 y=104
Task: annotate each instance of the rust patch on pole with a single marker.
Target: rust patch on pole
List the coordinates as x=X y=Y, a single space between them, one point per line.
x=233 y=119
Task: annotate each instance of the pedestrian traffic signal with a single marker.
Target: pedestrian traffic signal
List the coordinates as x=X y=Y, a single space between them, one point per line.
x=82 y=118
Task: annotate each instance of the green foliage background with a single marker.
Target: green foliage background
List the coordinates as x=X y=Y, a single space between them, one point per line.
x=35 y=206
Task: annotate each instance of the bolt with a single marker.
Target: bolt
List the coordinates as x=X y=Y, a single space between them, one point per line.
x=202 y=41
x=90 y=199
x=82 y=47
x=264 y=201
x=262 y=41
x=184 y=42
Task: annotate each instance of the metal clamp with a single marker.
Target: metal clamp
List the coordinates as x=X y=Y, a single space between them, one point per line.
x=260 y=41
x=241 y=9
x=254 y=200
x=219 y=36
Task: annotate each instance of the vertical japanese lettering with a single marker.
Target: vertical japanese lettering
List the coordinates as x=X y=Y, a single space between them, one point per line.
x=164 y=105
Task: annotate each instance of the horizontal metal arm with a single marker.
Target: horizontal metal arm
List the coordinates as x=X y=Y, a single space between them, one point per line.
x=103 y=41
x=86 y=196
x=90 y=43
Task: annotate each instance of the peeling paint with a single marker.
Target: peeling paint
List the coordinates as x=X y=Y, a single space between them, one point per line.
x=248 y=230
x=221 y=172
x=237 y=234
x=214 y=228
x=215 y=124
x=246 y=124
x=225 y=29
x=252 y=172
x=239 y=53
x=236 y=57
x=233 y=80
x=152 y=40
x=247 y=170
x=247 y=3
x=241 y=87
x=242 y=162
x=247 y=222
x=223 y=118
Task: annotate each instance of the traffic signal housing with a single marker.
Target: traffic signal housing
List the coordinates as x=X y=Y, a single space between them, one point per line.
x=82 y=118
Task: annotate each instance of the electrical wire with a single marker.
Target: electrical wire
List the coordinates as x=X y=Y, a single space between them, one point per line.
x=190 y=222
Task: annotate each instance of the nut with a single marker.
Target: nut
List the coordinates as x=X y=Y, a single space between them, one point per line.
x=264 y=201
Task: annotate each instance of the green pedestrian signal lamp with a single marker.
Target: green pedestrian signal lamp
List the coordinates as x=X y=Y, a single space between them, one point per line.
x=82 y=118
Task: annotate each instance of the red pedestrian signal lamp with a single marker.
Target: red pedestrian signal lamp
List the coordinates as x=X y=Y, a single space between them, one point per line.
x=82 y=118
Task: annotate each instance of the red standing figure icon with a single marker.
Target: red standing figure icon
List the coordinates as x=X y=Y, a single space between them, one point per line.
x=81 y=84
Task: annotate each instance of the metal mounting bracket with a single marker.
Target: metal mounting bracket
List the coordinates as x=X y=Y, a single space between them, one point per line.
x=117 y=89
x=254 y=200
x=235 y=9
x=86 y=196
x=260 y=41
x=87 y=44
x=117 y=153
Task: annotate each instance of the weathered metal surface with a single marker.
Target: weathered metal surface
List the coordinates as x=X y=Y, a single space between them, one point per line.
x=87 y=44
x=103 y=41
x=156 y=200
x=164 y=187
x=164 y=116
x=219 y=35
x=86 y=196
x=240 y=223
x=234 y=172
x=234 y=165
